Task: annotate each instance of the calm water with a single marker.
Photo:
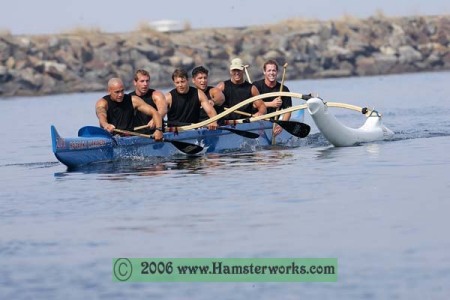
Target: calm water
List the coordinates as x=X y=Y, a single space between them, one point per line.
x=381 y=208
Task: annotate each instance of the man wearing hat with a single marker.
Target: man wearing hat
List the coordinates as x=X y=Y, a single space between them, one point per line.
x=237 y=89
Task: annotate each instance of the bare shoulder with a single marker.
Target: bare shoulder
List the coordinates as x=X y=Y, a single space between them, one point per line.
x=255 y=91
x=137 y=101
x=217 y=94
x=201 y=95
x=101 y=103
x=157 y=95
x=220 y=85
x=214 y=91
x=136 y=98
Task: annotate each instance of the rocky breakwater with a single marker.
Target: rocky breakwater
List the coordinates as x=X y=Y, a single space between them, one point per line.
x=84 y=61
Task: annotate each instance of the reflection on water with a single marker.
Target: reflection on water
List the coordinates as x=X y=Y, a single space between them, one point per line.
x=373 y=149
x=125 y=168
x=181 y=166
x=330 y=152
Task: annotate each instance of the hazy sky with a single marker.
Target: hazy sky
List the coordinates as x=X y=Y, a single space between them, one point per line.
x=50 y=16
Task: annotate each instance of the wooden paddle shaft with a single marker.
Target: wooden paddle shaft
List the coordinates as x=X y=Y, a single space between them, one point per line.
x=246 y=73
x=243 y=113
x=281 y=89
x=132 y=133
x=141 y=127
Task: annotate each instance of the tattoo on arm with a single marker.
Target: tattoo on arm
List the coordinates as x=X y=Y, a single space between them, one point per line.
x=101 y=111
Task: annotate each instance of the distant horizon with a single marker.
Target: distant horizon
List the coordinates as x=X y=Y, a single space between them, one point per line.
x=48 y=17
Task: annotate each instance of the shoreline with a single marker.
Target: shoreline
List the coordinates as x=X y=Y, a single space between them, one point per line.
x=83 y=61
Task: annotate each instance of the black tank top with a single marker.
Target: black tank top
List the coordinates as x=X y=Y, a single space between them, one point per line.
x=236 y=93
x=264 y=89
x=120 y=114
x=185 y=108
x=139 y=117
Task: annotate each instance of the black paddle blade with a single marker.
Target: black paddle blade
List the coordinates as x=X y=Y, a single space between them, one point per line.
x=247 y=134
x=186 y=148
x=297 y=129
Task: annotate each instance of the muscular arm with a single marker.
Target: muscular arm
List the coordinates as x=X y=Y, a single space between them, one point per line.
x=221 y=86
x=101 y=108
x=143 y=107
x=258 y=104
x=208 y=108
x=147 y=109
x=217 y=96
x=161 y=103
x=275 y=103
x=286 y=116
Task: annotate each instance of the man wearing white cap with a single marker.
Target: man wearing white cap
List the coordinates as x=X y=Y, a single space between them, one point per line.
x=237 y=89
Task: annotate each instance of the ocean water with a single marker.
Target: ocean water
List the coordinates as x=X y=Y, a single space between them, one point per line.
x=380 y=208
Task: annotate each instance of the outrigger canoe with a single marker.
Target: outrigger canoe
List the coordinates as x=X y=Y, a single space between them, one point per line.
x=94 y=144
x=341 y=135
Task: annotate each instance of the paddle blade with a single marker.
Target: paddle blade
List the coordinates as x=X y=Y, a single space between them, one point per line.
x=186 y=148
x=91 y=131
x=247 y=134
x=297 y=129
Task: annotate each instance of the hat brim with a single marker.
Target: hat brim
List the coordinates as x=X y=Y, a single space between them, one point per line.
x=236 y=68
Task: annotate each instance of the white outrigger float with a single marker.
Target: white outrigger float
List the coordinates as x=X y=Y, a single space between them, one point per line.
x=332 y=129
x=340 y=135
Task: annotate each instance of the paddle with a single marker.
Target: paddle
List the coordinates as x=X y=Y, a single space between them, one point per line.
x=295 y=128
x=276 y=117
x=247 y=74
x=92 y=131
x=247 y=134
x=184 y=147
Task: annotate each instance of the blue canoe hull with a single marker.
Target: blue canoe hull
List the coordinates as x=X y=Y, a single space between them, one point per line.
x=97 y=145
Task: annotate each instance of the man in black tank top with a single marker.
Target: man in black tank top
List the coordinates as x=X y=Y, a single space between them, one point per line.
x=236 y=90
x=116 y=109
x=215 y=96
x=184 y=102
x=152 y=97
x=270 y=84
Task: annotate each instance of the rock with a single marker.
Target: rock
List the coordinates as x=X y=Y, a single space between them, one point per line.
x=84 y=61
x=408 y=54
x=10 y=62
x=54 y=69
x=384 y=63
x=4 y=75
